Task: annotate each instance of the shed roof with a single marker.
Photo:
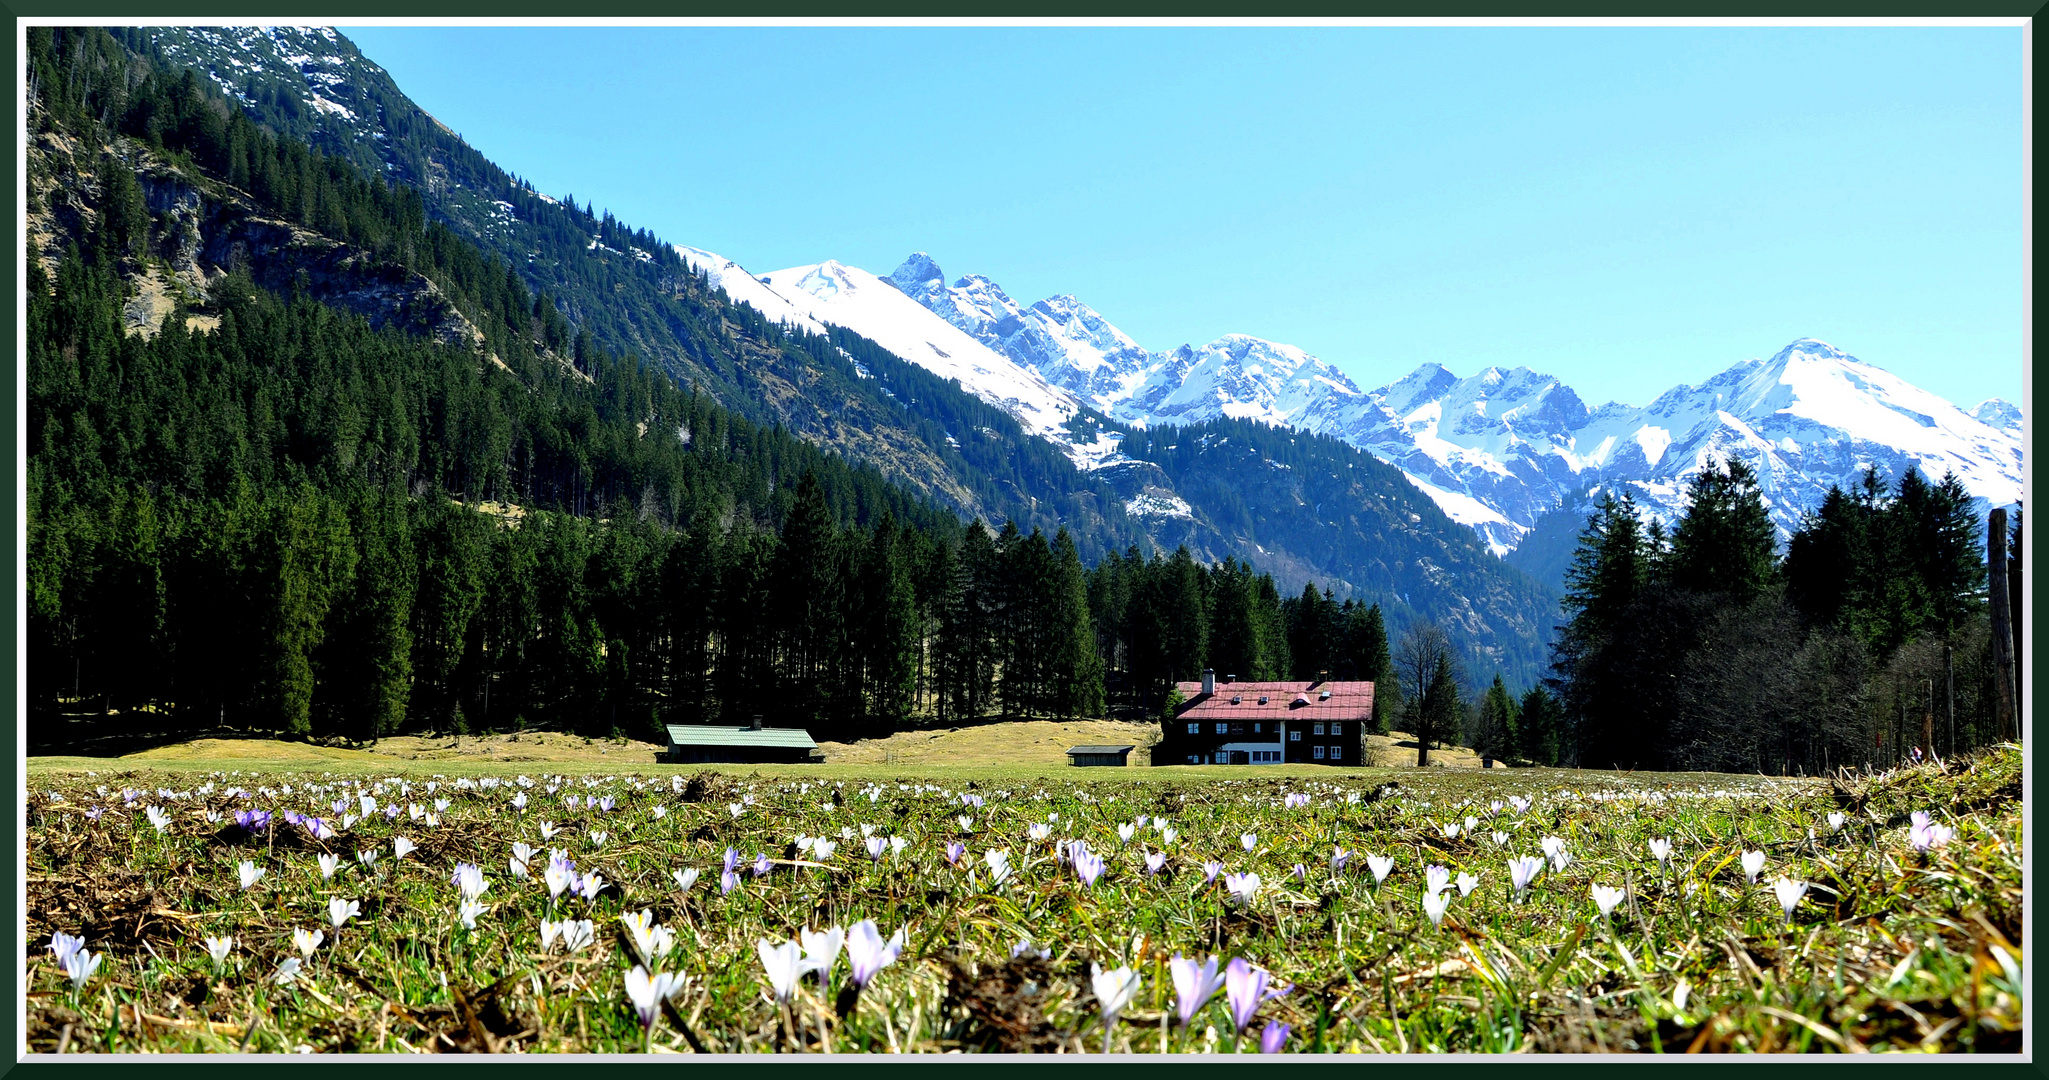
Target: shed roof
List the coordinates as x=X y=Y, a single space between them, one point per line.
x=1284 y=701
x=723 y=735
x=1100 y=749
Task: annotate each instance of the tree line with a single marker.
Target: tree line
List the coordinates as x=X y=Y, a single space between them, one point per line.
x=1702 y=647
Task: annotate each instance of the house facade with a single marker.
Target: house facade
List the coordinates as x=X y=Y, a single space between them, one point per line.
x=1228 y=722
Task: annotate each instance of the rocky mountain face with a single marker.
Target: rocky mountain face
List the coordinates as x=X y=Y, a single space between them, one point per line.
x=208 y=231
x=1500 y=449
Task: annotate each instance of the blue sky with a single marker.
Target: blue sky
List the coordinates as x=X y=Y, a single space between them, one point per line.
x=1622 y=208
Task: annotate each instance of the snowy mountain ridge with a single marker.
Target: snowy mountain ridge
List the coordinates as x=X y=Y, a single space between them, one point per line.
x=1501 y=448
x=1496 y=450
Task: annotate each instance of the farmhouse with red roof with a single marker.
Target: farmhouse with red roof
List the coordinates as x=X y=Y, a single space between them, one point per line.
x=1267 y=723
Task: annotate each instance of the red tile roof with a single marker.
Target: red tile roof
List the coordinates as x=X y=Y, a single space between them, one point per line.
x=1348 y=701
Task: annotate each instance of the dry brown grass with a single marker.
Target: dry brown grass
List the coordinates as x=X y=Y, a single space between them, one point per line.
x=1021 y=743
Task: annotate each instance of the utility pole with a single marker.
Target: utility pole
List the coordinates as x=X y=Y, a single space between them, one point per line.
x=2002 y=621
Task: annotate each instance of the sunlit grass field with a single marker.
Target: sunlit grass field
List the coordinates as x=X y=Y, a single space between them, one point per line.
x=1903 y=940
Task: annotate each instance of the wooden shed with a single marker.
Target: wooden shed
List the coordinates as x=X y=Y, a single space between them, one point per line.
x=708 y=743
x=1099 y=755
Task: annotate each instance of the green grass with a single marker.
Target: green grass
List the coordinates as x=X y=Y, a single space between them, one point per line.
x=1891 y=950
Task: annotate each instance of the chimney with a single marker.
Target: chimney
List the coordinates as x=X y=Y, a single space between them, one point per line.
x=1322 y=677
x=1209 y=680
x=756 y=725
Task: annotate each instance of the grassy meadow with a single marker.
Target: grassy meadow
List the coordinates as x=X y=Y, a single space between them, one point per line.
x=1890 y=947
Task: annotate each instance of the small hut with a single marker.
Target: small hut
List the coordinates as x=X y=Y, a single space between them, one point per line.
x=750 y=745
x=1099 y=755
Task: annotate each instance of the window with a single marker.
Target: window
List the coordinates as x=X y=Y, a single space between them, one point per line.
x=1195 y=759
x=1222 y=727
x=1294 y=736
x=1255 y=728
x=1319 y=727
x=1194 y=728
x=1238 y=728
x=1319 y=753
x=1337 y=728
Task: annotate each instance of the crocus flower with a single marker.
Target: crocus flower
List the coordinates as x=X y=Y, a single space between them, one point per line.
x=549 y=829
x=249 y=873
x=1552 y=845
x=1789 y=893
x=1210 y=870
x=579 y=934
x=1560 y=861
x=1168 y=836
x=1126 y=831
x=340 y=911
x=1155 y=862
x=998 y=860
x=684 y=878
x=1250 y=840
x=367 y=803
x=640 y=926
x=762 y=865
x=648 y=991
x=1434 y=905
x=967 y=824
x=328 y=865
x=821 y=950
x=1661 y=850
x=1039 y=831
x=467 y=912
x=598 y=837
x=1436 y=879
x=368 y=857
x=516 y=868
x=1523 y=870
x=1242 y=887
x=1606 y=898
x=549 y=932
x=1024 y=947
x=954 y=850
x=1245 y=987
x=735 y=809
x=1273 y=1037
x=822 y=849
x=728 y=881
x=307 y=940
x=286 y=972
x=1193 y=985
x=1114 y=990
x=732 y=862
x=158 y=817
x=401 y=847
x=1500 y=839
x=1087 y=865
x=1295 y=801
x=784 y=964
x=1925 y=835
x=1338 y=858
x=590 y=885
x=1753 y=861
x=1380 y=865
x=868 y=953
x=1466 y=884
x=63 y=945
x=1835 y=821
x=219 y=948
x=469 y=880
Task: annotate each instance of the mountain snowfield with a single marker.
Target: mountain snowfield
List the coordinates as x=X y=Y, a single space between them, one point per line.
x=1496 y=450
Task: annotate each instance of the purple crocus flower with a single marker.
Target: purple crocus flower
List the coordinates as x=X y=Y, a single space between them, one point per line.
x=954 y=850
x=1193 y=986
x=876 y=846
x=1301 y=872
x=732 y=860
x=391 y=812
x=728 y=881
x=94 y=813
x=1087 y=864
x=1338 y=858
x=1155 y=862
x=1210 y=870
x=867 y=953
x=607 y=803
x=63 y=945
x=761 y=865
x=1273 y=1037
x=1245 y=987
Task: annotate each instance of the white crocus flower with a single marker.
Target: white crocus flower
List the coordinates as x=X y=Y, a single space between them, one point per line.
x=307 y=940
x=1753 y=861
x=249 y=872
x=329 y=864
x=1606 y=898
